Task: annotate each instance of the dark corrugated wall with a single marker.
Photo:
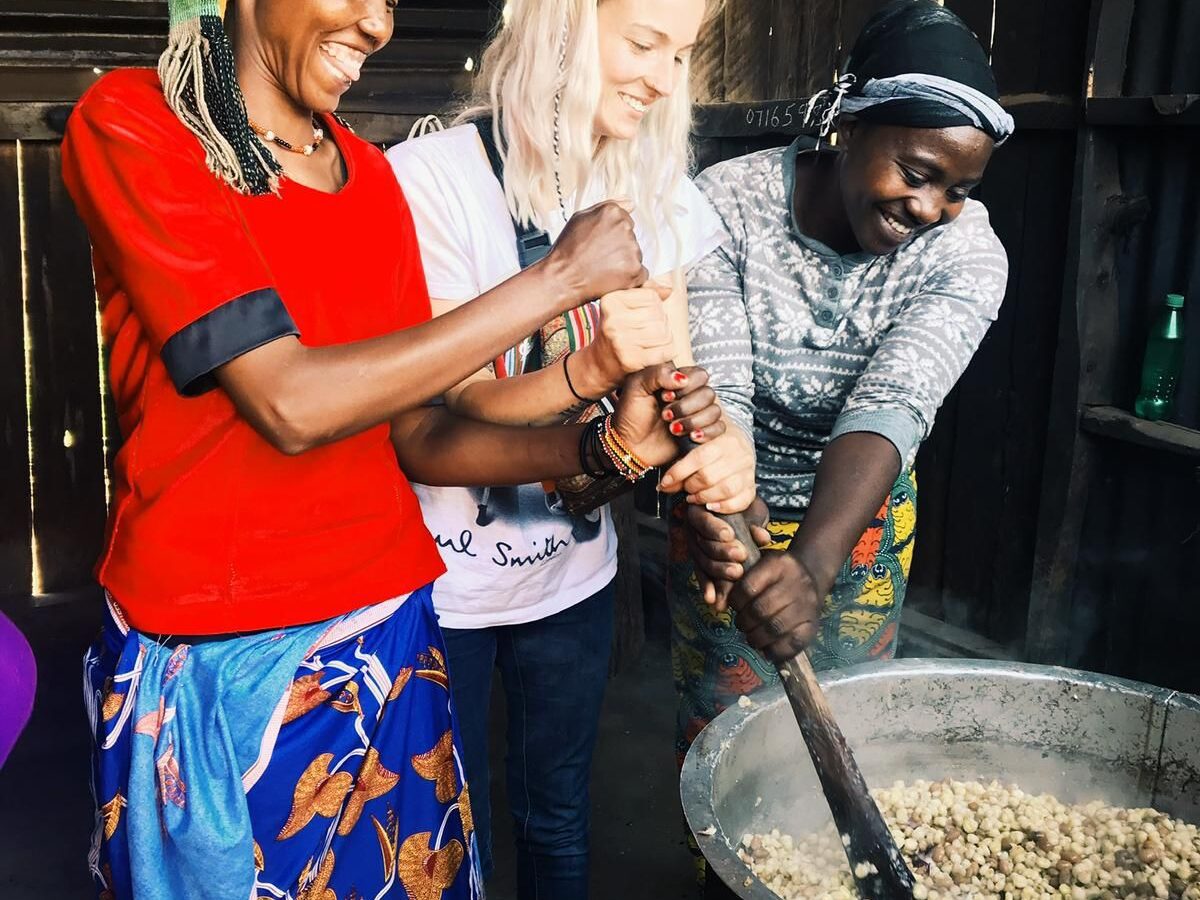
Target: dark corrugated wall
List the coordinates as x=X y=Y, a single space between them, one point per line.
x=1162 y=57
x=1136 y=604
x=981 y=469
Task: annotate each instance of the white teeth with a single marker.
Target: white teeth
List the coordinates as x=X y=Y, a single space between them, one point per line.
x=634 y=103
x=346 y=60
x=899 y=226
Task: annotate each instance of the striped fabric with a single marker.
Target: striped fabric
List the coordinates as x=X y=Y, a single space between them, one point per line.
x=562 y=334
x=582 y=325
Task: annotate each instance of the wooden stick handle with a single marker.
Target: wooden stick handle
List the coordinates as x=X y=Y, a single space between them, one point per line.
x=879 y=870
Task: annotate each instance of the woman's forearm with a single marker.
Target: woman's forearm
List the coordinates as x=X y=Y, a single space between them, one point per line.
x=436 y=447
x=856 y=473
x=300 y=397
x=628 y=340
x=543 y=397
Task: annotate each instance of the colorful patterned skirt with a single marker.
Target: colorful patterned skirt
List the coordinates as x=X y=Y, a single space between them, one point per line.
x=314 y=763
x=712 y=663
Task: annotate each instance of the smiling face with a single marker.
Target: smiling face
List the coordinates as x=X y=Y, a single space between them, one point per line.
x=643 y=47
x=315 y=49
x=897 y=182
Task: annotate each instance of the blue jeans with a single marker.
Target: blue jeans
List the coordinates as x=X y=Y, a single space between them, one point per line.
x=553 y=671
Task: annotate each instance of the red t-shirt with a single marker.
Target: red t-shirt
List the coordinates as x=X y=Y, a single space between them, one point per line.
x=212 y=530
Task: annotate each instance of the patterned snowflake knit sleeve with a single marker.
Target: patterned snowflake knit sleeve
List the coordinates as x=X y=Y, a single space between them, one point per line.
x=932 y=339
x=719 y=322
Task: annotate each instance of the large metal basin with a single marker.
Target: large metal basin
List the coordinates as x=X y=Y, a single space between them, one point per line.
x=1078 y=735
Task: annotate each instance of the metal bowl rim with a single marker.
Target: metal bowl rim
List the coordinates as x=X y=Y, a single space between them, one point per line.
x=695 y=784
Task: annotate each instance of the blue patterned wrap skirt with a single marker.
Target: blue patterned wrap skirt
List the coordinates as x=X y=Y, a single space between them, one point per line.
x=319 y=762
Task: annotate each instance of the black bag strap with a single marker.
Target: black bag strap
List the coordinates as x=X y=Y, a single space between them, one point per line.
x=533 y=243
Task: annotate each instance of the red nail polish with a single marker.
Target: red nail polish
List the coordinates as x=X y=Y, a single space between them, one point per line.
x=668 y=415
x=679 y=378
x=668 y=396
x=676 y=428
x=697 y=435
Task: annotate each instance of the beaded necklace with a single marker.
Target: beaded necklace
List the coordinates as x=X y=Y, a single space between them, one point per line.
x=306 y=150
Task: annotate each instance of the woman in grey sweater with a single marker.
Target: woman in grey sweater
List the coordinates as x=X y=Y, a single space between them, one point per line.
x=853 y=288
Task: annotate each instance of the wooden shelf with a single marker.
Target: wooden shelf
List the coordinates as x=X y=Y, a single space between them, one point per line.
x=1160 y=109
x=1118 y=425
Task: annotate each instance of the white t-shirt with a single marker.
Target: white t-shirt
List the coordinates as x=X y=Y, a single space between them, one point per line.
x=512 y=553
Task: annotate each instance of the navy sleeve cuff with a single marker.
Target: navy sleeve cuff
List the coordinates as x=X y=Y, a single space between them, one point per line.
x=193 y=353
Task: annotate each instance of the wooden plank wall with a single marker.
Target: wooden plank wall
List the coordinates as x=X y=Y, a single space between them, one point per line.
x=53 y=451
x=67 y=431
x=15 y=561
x=980 y=471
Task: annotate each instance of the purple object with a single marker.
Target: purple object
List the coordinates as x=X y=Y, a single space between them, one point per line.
x=18 y=678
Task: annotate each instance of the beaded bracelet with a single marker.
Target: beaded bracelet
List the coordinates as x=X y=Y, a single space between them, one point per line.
x=615 y=438
x=629 y=466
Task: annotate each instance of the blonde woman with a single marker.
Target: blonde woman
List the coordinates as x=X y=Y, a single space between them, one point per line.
x=581 y=101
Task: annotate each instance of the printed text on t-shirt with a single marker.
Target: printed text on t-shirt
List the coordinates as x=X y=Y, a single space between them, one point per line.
x=503 y=555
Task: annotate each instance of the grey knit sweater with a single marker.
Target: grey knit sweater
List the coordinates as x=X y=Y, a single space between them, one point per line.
x=804 y=345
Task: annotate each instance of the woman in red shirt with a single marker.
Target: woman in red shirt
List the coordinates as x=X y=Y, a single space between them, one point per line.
x=266 y=565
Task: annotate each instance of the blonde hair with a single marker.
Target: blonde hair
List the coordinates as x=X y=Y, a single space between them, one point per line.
x=542 y=69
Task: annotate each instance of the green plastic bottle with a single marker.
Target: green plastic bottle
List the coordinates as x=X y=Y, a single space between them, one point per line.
x=1163 y=362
